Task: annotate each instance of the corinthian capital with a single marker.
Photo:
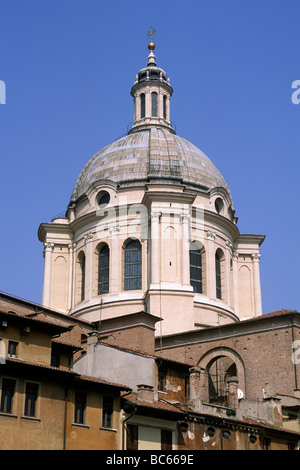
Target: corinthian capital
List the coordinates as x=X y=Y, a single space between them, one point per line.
x=48 y=246
x=255 y=256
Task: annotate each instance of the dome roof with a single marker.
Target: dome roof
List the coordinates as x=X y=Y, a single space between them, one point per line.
x=150 y=155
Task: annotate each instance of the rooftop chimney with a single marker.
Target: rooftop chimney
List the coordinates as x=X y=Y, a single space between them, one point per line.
x=146 y=393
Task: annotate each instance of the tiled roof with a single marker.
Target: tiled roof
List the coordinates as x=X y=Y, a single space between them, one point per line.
x=71 y=373
x=41 y=320
x=156 y=405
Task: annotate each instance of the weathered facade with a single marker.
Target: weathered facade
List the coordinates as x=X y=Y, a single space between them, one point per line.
x=44 y=404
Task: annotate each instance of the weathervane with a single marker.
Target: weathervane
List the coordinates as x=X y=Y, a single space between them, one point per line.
x=151 y=33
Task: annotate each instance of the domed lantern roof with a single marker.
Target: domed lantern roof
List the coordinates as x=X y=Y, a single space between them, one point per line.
x=151 y=150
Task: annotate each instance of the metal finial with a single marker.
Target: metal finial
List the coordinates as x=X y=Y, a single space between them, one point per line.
x=151 y=33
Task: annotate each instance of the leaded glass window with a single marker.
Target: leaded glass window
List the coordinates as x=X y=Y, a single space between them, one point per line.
x=133 y=266
x=143 y=109
x=154 y=104
x=218 y=276
x=165 y=106
x=196 y=270
x=103 y=272
x=81 y=260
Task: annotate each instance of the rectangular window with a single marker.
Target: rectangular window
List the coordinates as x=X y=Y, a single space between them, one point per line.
x=154 y=104
x=132 y=437
x=196 y=270
x=162 y=374
x=107 y=412
x=12 y=349
x=8 y=388
x=80 y=405
x=30 y=399
x=218 y=277
x=166 y=440
x=55 y=360
x=143 y=105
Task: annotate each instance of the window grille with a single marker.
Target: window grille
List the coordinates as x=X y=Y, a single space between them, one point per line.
x=133 y=266
x=103 y=273
x=196 y=270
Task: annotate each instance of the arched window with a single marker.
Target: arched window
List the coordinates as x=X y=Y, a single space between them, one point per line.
x=154 y=104
x=81 y=260
x=103 y=271
x=196 y=270
x=218 y=275
x=143 y=108
x=133 y=266
x=165 y=106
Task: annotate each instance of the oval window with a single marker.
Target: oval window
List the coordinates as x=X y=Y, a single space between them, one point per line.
x=219 y=205
x=103 y=199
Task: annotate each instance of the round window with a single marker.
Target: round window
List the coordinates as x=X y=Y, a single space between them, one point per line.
x=103 y=199
x=211 y=431
x=226 y=434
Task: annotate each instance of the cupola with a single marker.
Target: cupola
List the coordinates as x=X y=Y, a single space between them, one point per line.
x=151 y=93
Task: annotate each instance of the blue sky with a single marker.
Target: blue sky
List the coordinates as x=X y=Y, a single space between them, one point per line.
x=69 y=65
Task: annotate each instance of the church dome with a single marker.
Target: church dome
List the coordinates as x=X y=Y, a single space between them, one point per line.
x=153 y=154
x=151 y=151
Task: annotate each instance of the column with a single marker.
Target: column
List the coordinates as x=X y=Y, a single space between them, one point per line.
x=48 y=248
x=235 y=274
x=88 y=265
x=71 y=248
x=228 y=272
x=185 y=249
x=114 y=260
x=256 y=283
x=211 y=265
x=155 y=251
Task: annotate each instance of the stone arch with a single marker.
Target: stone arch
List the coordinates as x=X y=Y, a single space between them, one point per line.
x=217 y=365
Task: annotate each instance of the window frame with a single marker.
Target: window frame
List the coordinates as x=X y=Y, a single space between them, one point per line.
x=12 y=348
x=80 y=407
x=101 y=269
x=143 y=105
x=133 y=281
x=31 y=399
x=108 y=404
x=154 y=104
x=218 y=273
x=7 y=399
x=82 y=267
x=196 y=282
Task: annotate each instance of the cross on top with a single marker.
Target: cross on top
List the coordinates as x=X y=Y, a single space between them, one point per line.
x=151 y=33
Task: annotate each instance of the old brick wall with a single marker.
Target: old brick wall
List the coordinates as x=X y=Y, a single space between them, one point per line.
x=262 y=351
